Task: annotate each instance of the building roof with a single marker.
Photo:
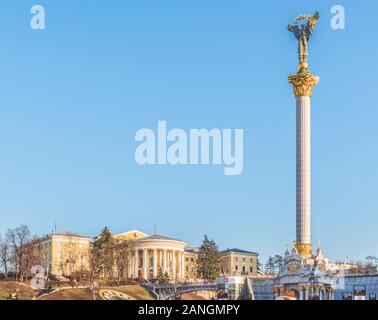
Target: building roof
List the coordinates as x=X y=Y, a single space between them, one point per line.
x=63 y=234
x=158 y=237
x=236 y=250
x=68 y=234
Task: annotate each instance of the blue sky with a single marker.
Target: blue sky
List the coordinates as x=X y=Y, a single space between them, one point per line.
x=73 y=96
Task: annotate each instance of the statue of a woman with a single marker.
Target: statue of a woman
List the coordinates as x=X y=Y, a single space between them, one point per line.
x=303 y=33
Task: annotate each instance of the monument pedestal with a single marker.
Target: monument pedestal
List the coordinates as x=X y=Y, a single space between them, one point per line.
x=304 y=278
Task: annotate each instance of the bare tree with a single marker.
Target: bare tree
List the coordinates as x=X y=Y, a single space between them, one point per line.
x=17 y=239
x=121 y=249
x=31 y=256
x=4 y=256
x=371 y=259
x=12 y=245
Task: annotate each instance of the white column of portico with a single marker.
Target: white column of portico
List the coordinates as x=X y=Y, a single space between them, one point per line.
x=145 y=263
x=181 y=257
x=155 y=263
x=183 y=266
x=179 y=262
x=170 y=268
x=165 y=261
x=136 y=264
x=174 y=262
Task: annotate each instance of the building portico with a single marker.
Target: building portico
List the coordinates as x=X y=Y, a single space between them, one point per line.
x=147 y=262
x=153 y=255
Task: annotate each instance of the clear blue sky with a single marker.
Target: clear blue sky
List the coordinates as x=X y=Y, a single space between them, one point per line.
x=73 y=96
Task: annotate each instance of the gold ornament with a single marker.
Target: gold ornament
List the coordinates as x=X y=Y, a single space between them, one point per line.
x=304 y=248
x=322 y=267
x=303 y=83
x=293 y=266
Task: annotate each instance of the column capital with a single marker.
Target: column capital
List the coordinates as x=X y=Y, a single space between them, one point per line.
x=303 y=83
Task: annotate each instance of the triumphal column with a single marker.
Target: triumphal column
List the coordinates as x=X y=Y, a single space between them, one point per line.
x=303 y=274
x=303 y=83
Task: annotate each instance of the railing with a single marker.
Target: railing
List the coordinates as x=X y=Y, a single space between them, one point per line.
x=169 y=291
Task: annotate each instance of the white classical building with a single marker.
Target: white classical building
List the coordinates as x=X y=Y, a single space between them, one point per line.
x=150 y=255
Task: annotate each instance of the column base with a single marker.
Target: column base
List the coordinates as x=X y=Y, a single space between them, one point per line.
x=303 y=248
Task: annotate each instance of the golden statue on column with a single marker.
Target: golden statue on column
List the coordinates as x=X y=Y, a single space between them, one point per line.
x=303 y=81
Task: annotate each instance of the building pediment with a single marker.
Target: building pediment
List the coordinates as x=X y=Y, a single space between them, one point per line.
x=130 y=235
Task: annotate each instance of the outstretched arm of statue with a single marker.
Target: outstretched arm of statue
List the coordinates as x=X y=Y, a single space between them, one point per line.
x=311 y=24
x=295 y=29
x=314 y=19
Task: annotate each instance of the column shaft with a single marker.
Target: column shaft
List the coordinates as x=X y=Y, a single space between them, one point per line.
x=174 y=263
x=165 y=261
x=179 y=262
x=145 y=264
x=183 y=266
x=303 y=170
x=155 y=263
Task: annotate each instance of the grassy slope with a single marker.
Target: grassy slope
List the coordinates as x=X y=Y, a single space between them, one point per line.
x=8 y=287
x=134 y=291
x=70 y=294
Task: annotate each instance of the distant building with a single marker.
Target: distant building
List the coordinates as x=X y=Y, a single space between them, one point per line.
x=191 y=257
x=65 y=253
x=337 y=266
x=237 y=262
x=233 y=262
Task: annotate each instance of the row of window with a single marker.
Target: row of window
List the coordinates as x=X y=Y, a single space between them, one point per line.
x=243 y=270
x=244 y=259
x=236 y=259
